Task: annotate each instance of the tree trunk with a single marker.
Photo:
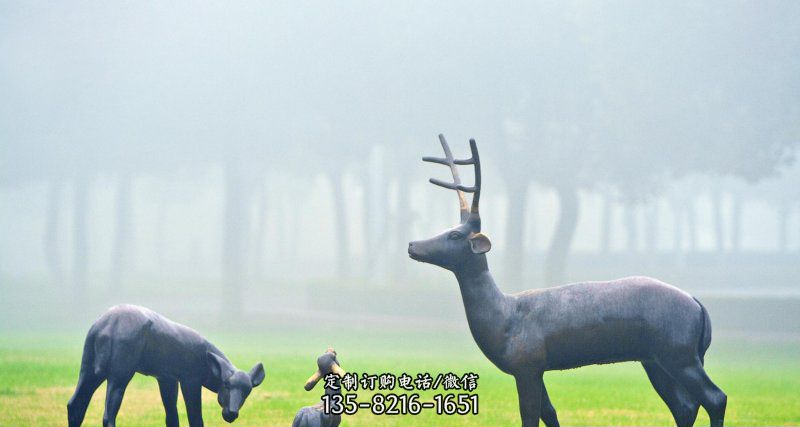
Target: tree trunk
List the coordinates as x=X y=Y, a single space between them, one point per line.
x=119 y=249
x=260 y=231
x=402 y=221
x=606 y=224
x=678 y=230
x=284 y=256
x=235 y=225
x=50 y=240
x=691 y=224
x=291 y=230
x=80 y=245
x=368 y=216
x=736 y=223
x=651 y=222
x=784 y=211
x=555 y=265
x=294 y=227
x=375 y=211
x=341 y=236
x=631 y=228
x=719 y=234
x=161 y=228
x=515 y=232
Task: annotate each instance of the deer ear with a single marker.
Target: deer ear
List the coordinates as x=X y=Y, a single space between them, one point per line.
x=479 y=243
x=214 y=365
x=257 y=374
x=313 y=380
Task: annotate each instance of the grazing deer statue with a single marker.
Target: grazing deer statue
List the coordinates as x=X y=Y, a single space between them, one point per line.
x=528 y=333
x=128 y=339
x=315 y=416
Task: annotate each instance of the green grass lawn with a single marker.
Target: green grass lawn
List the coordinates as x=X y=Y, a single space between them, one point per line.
x=762 y=381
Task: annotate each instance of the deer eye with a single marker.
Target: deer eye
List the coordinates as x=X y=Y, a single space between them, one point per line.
x=455 y=235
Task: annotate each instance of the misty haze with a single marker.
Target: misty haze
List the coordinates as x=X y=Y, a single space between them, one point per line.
x=256 y=166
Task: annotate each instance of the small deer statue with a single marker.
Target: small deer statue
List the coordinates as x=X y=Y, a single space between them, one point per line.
x=315 y=416
x=129 y=339
x=528 y=333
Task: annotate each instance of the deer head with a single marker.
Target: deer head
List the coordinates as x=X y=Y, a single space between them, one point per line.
x=326 y=364
x=462 y=244
x=235 y=385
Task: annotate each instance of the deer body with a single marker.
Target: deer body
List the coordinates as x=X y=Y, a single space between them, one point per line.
x=128 y=339
x=528 y=333
x=581 y=324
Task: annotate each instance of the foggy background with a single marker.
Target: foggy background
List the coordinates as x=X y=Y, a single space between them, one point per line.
x=262 y=159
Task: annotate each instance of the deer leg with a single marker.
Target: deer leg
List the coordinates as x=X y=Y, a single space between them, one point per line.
x=76 y=408
x=169 y=397
x=115 y=389
x=192 y=396
x=548 y=411
x=681 y=404
x=529 y=390
x=692 y=376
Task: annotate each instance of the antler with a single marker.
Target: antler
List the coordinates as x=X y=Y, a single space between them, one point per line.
x=476 y=161
x=451 y=162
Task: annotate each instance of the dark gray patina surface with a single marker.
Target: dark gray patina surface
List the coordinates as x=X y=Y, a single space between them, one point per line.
x=525 y=334
x=315 y=416
x=128 y=339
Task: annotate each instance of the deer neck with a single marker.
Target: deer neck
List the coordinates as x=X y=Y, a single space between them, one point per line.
x=486 y=307
x=210 y=382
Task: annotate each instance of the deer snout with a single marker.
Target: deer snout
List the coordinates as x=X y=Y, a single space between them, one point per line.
x=230 y=416
x=412 y=250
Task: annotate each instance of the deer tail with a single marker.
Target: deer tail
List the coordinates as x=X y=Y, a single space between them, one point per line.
x=705 y=331
x=95 y=359
x=87 y=359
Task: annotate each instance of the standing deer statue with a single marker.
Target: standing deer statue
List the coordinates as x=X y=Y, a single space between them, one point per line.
x=528 y=333
x=128 y=339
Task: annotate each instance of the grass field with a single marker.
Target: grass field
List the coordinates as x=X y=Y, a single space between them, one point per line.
x=762 y=379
